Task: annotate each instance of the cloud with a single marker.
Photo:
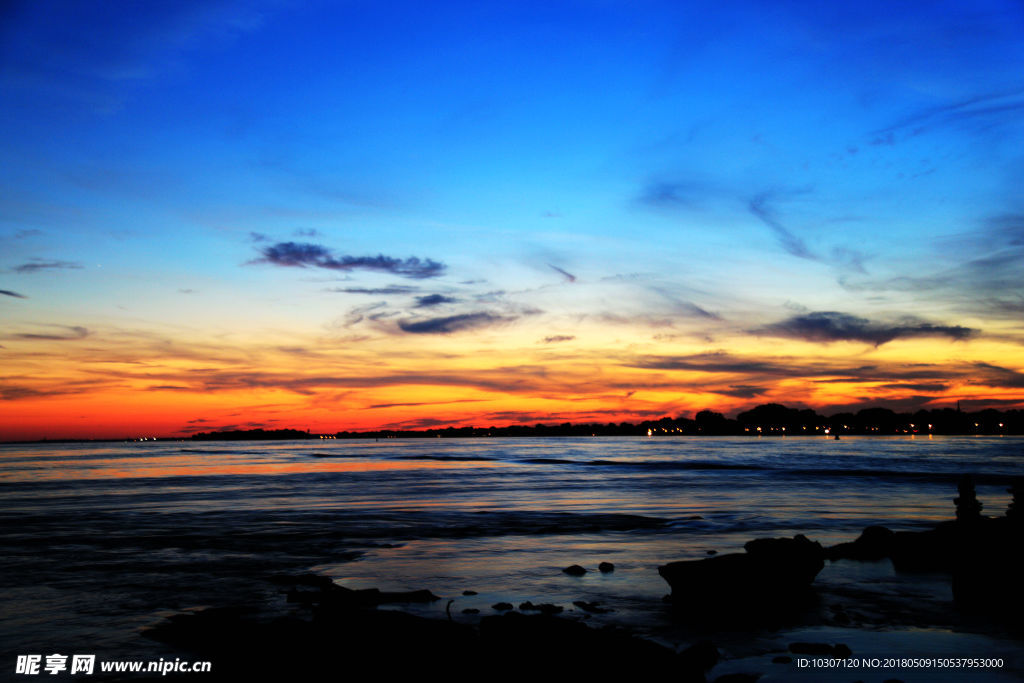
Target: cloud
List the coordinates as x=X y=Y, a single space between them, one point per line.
x=568 y=276
x=73 y=333
x=996 y=376
x=903 y=404
x=301 y=255
x=669 y=195
x=7 y=292
x=397 y=289
x=988 y=108
x=765 y=370
x=741 y=391
x=986 y=279
x=558 y=338
x=790 y=242
x=36 y=264
x=452 y=323
x=830 y=326
x=433 y=300
x=424 y=403
x=922 y=386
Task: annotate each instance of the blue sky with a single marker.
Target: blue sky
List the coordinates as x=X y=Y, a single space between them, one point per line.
x=788 y=180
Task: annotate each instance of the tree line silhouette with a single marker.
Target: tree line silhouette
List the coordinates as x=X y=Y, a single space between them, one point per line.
x=771 y=419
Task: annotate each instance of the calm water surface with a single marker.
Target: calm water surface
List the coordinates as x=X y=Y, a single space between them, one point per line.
x=101 y=540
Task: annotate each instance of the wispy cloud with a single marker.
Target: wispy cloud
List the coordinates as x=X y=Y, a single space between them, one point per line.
x=73 y=332
x=431 y=300
x=7 y=292
x=377 y=291
x=997 y=376
x=554 y=339
x=566 y=274
x=302 y=255
x=759 y=206
x=831 y=326
x=741 y=391
x=452 y=323
x=1004 y=106
x=35 y=265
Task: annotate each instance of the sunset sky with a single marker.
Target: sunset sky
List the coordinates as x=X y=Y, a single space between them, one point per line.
x=351 y=215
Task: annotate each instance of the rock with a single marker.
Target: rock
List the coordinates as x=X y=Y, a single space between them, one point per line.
x=712 y=552
x=471 y=610
x=575 y=570
x=773 y=570
x=606 y=567
x=874 y=543
x=469 y=592
x=502 y=606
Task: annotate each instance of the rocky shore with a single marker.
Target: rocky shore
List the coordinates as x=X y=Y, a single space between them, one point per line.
x=334 y=631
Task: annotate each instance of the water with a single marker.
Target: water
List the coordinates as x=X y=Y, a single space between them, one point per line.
x=100 y=541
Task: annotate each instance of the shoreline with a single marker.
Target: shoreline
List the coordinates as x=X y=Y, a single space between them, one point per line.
x=849 y=624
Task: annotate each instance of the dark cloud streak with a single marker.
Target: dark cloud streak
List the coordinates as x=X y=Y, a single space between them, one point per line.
x=35 y=265
x=302 y=255
x=831 y=326
x=452 y=323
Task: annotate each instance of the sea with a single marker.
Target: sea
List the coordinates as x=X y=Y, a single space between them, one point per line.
x=101 y=541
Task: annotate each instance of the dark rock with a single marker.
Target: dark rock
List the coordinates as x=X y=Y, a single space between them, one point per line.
x=712 y=552
x=968 y=508
x=469 y=592
x=842 y=650
x=471 y=610
x=773 y=570
x=606 y=567
x=575 y=570
x=502 y=606
x=782 y=659
x=874 y=543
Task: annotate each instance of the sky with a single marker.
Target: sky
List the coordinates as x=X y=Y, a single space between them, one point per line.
x=358 y=215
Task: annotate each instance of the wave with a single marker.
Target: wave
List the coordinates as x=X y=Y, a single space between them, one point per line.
x=646 y=464
x=453 y=458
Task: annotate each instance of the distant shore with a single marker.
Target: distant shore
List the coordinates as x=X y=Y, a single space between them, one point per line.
x=770 y=419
